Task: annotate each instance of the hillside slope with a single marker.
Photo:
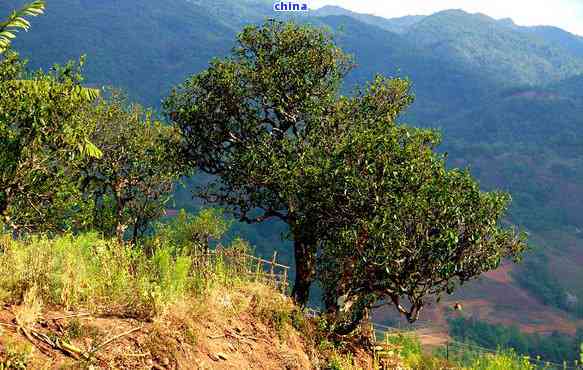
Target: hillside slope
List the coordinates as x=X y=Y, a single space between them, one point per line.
x=87 y=302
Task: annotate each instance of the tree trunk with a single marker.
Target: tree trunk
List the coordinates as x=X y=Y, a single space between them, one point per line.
x=135 y=233
x=120 y=231
x=305 y=270
x=120 y=227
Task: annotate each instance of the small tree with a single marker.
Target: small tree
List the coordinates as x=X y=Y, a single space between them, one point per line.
x=40 y=133
x=191 y=234
x=131 y=182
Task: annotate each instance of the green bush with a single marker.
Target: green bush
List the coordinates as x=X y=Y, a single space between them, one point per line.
x=508 y=360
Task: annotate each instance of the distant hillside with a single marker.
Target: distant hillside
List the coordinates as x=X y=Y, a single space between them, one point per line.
x=144 y=49
x=440 y=85
x=397 y=25
x=559 y=37
x=490 y=47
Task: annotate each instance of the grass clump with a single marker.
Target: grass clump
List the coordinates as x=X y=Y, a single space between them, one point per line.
x=15 y=355
x=73 y=271
x=406 y=349
x=507 y=360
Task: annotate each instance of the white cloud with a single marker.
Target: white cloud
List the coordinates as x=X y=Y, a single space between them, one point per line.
x=566 y=14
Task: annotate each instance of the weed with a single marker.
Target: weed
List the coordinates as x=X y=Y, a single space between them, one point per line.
x=15 y=355
x=29 y=311
x=507 y=360
x=341 y=362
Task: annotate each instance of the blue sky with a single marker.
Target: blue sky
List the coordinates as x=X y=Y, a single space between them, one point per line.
x=566 y=14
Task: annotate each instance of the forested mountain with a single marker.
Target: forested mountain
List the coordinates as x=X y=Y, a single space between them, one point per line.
x=493 y=49
x=396 y=25
x=508 y=99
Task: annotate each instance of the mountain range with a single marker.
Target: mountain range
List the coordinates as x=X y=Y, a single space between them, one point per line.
x=508 y=99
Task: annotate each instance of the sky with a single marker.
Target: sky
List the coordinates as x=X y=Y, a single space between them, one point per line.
x=566 y=14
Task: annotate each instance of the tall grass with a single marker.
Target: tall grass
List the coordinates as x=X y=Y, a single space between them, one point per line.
x=89 y=272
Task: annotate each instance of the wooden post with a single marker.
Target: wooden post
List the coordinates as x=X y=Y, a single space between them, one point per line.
x=284 y=285
x=272 y=269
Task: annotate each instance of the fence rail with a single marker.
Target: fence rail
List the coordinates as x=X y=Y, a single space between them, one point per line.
x=255 y=268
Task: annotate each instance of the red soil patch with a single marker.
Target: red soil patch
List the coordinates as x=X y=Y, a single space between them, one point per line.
x=502 y=274
x=495 y=299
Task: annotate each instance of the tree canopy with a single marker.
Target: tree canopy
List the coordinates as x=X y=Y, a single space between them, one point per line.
x=16 y=20
x=243 y=111
x=129 y=185
x=371 y=197
x=40 y=131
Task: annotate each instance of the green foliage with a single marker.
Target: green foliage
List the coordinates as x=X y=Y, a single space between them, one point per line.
x=462 y=63
x=529 y=144
x=339 y=171
x=131 y=182
x=242 y=114
x=15 y=356
x=395 y=222
x=41 y=134
x=192 y=234
x=500 y=361
x=555 y=347
x=405 y=349
x=341 y=362
x=17 y=21
x=102 y=274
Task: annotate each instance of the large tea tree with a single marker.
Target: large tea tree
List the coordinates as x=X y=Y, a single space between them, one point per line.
x=397 y=226
x=238 y=117
x=370 y=197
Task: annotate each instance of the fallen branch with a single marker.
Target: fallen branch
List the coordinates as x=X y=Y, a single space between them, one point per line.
x=69 y=316
x=216 y=336
x=65 y=347
x=34 y=343
x=9 y=325
x=114 y=338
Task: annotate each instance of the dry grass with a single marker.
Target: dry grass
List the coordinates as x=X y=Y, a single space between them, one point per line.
x=28 y=313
